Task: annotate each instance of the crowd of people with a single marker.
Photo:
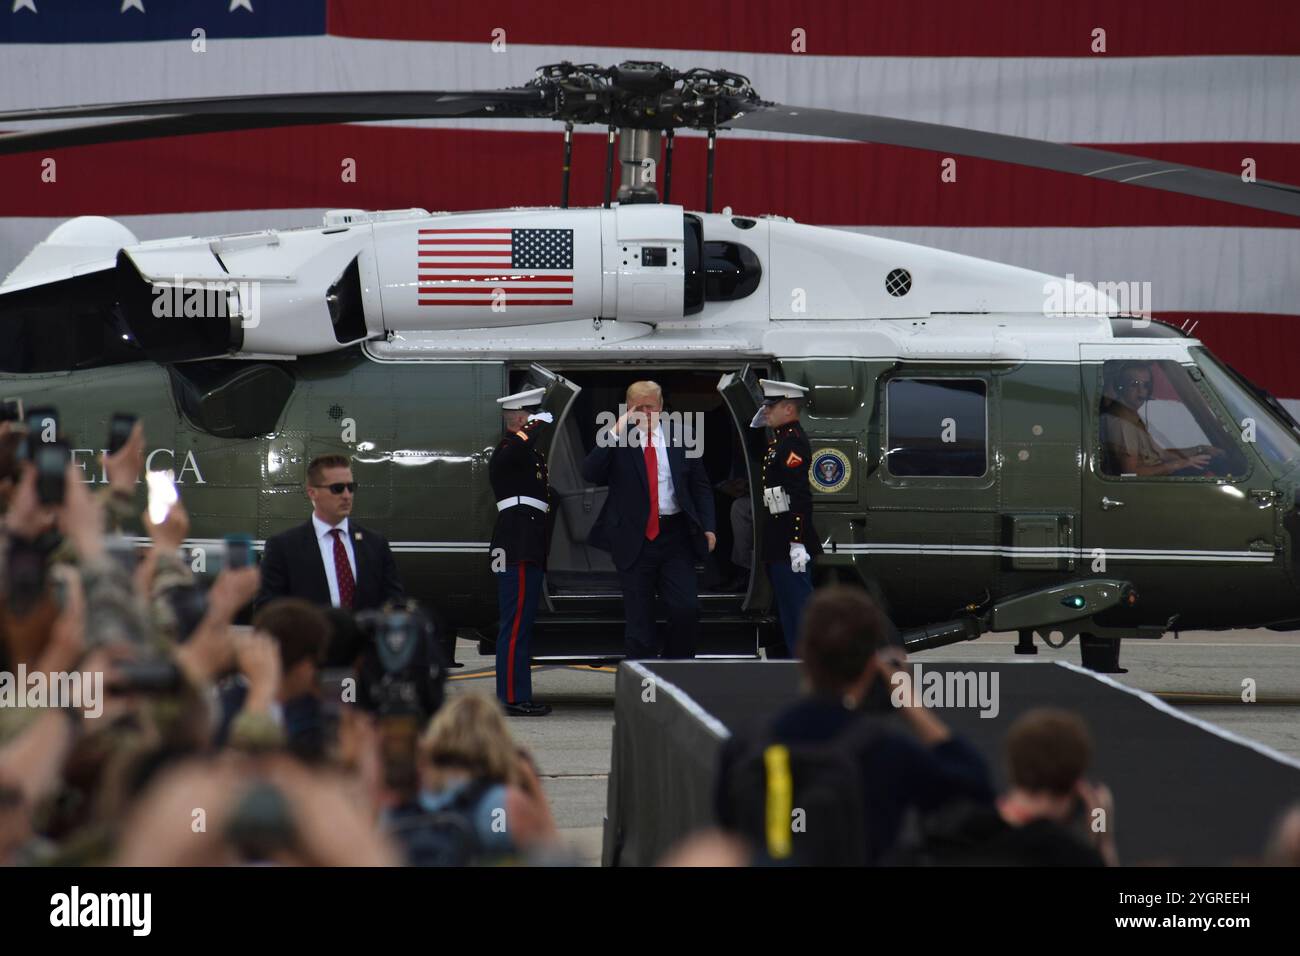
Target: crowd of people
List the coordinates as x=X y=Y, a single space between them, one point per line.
x=143 y=722
x=167 y=731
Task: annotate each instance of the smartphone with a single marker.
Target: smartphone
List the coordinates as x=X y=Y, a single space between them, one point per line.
x=239 y=550
x=40 y=423
x=162 y=494
x=119 y=430
x=51 y=460
x=11 y=410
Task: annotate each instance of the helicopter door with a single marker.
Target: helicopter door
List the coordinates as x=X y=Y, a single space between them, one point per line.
x=741 y=393
x=1170 y=497
x=560 y=393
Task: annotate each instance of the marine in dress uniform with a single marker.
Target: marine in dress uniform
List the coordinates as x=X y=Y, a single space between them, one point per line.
x=517 y=471
x=789 y=539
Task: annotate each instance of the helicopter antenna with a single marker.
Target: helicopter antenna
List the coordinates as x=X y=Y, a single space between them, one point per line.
x=609 y=164
x=568 y=165
x=1193 y=328
x=668 y=166
x=708 y=176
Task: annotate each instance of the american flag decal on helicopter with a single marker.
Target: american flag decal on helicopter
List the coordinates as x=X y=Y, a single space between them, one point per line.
x=510 y=267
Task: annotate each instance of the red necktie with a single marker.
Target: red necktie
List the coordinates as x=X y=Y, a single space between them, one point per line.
x=343 y=572
x=652 y=478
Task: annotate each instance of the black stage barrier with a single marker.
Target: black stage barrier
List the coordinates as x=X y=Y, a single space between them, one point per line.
x=1186 y=792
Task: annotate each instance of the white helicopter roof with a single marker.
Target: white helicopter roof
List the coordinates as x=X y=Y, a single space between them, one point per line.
x=577 y=283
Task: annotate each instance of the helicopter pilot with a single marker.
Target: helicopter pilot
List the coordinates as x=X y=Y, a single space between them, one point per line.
x=520 y=484
x=1130 y=448
x=789 y=539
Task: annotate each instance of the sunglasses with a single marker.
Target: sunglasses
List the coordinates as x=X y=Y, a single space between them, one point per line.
x=339 y=487
x=1138 y=382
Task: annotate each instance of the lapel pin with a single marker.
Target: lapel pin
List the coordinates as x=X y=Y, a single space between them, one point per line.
x=356 y=536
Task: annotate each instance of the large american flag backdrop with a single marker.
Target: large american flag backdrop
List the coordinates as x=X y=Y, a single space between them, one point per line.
x=1209 y=83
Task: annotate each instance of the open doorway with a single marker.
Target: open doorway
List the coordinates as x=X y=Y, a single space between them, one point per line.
x=578 y=570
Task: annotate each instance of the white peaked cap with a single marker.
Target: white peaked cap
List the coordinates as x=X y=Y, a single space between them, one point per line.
x=526 y=399
x=774 y=391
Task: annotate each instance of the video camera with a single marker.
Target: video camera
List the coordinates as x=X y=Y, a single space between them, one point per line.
x=402 y=681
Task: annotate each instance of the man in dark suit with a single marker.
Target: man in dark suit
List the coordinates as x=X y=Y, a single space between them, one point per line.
x=330 y=560
x=657 y=521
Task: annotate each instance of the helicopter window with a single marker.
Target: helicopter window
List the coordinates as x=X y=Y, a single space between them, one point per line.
x=232 y=399
x=1155 y=423
x=1278 y=444
x=936 y=427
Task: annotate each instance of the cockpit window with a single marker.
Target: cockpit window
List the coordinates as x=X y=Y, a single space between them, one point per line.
x=1155 y=423
x=1254 y=421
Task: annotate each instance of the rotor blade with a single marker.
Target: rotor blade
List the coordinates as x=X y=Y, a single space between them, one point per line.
x=226 y=114
x=410 y=103
x=1040 y=154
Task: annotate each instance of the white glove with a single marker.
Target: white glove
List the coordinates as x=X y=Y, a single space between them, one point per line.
x=798 y=558
x=541 y=417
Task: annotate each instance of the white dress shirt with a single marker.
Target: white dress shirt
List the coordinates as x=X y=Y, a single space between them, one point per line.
x=326 y=541
x=667 y=493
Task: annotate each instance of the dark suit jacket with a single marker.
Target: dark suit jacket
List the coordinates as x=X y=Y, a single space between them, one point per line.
x=620 y=528
x=292 y=567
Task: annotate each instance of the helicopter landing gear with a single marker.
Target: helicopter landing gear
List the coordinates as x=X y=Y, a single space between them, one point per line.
x=1100 y=654
x=1025 y=645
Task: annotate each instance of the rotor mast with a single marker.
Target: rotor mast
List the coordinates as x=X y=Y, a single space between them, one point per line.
x=639 y=102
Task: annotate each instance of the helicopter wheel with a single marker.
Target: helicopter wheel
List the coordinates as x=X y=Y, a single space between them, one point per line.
x=1100 y=654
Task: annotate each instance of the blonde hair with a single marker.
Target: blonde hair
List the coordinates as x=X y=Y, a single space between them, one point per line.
x=644 y=388
x=470 y=734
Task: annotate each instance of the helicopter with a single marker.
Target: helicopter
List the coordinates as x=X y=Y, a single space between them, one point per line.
x=962 y=414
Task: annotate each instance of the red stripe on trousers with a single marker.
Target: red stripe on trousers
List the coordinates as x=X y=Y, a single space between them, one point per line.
x=514 y=634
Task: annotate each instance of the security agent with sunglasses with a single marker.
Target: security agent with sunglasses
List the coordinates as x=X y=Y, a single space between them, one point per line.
x=330 y=560
x=522 y=490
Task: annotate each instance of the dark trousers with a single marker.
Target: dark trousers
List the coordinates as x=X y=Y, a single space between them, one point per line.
x=519 y=587
x=791 y=592
x=666 y=565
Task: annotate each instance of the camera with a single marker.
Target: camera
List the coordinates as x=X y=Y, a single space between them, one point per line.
x=402 y=680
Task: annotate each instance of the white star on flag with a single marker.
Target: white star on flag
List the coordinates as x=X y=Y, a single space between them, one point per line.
x=132 y=5
x=236 y=4
x=24 y=5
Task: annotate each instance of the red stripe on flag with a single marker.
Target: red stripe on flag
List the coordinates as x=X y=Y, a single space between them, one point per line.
x=473 y=278
x=508 y=302
x=431 y=232
x=459 y=265
x=464 y=242
x=1003 y=28
x=1261 y=346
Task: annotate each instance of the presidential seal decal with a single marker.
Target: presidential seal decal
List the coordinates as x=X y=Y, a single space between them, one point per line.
x=830 y=470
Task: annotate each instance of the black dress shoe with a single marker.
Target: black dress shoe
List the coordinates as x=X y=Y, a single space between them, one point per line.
x=527 y=708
